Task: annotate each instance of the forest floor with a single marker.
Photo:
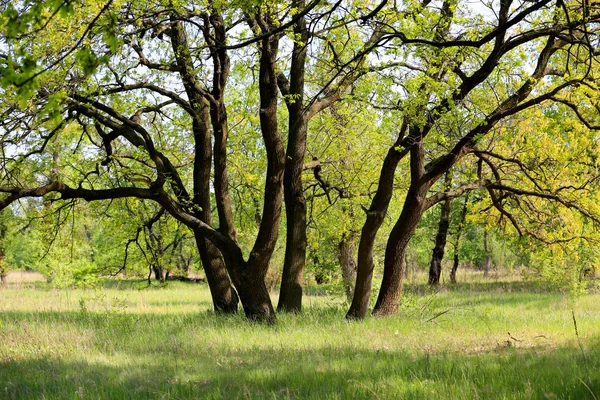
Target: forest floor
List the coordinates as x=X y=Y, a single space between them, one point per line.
x=129 y=341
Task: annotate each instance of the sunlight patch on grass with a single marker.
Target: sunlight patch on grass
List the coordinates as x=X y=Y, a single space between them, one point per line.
x=166 y=343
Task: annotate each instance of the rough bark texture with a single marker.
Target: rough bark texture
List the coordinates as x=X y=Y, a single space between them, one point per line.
x=395 y=252
x=454 y=269
x=218 y=115
x=252 y=288
x=348 y=265
x=459 y=229
x=290 y=296
x=375 y=216
x=224 y=297
x=435 y=267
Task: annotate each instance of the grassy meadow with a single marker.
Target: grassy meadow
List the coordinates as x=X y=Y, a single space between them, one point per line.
x=128 y=341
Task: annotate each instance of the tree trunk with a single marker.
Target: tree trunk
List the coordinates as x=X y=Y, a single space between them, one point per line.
x=454 y=268
x=435 y=268
x=249 y=277
x=346 y=249
x=488 y=259
x=395 y=260
x=255 y=296
x=159 y=273
x=459 y=229
x=225 y=298
x=290 y=296
x=3 y=281
x=375 y=216
x=487 y=266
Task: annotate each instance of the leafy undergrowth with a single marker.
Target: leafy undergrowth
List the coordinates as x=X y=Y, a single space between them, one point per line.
x=130 y=343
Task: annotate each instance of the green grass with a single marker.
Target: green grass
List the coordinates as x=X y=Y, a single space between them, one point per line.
x=162 y=343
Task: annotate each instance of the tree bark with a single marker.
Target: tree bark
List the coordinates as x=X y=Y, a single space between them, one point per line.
x=395 y=260
x=347 y=261
x=488 y=259
x=224 y=296
x=290 y=296
x=159 y=273
x=435 y=268
x=375 y=216
x=219 y=121
x=454 y=269
x=459 y=230
x=249 y=277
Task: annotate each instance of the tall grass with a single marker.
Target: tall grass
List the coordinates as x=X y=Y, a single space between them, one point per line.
x=126 y=341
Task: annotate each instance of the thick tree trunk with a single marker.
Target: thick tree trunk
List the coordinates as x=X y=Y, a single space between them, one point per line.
x=375 y=216
x=290 y=296
x=255 y=296
x=249 y=277
x=395 y=260
x=348 y=265
x=159 y=273
x=225 y=298
x=435 y=268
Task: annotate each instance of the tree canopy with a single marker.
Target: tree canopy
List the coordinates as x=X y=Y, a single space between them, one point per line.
x=231 y=117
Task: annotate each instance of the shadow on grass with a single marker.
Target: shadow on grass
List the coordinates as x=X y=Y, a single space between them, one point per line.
x=333 y=372
x=484 y=286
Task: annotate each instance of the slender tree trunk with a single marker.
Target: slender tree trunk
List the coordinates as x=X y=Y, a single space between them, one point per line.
x=224 y=297
x=3 y=280
x=375 y=216
x=459 y=230
x=488 y=259
x=435 y=268
x=487 y=266
x=395 y=260
x=454 y=268
x=290 y=296
x=347 y=261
